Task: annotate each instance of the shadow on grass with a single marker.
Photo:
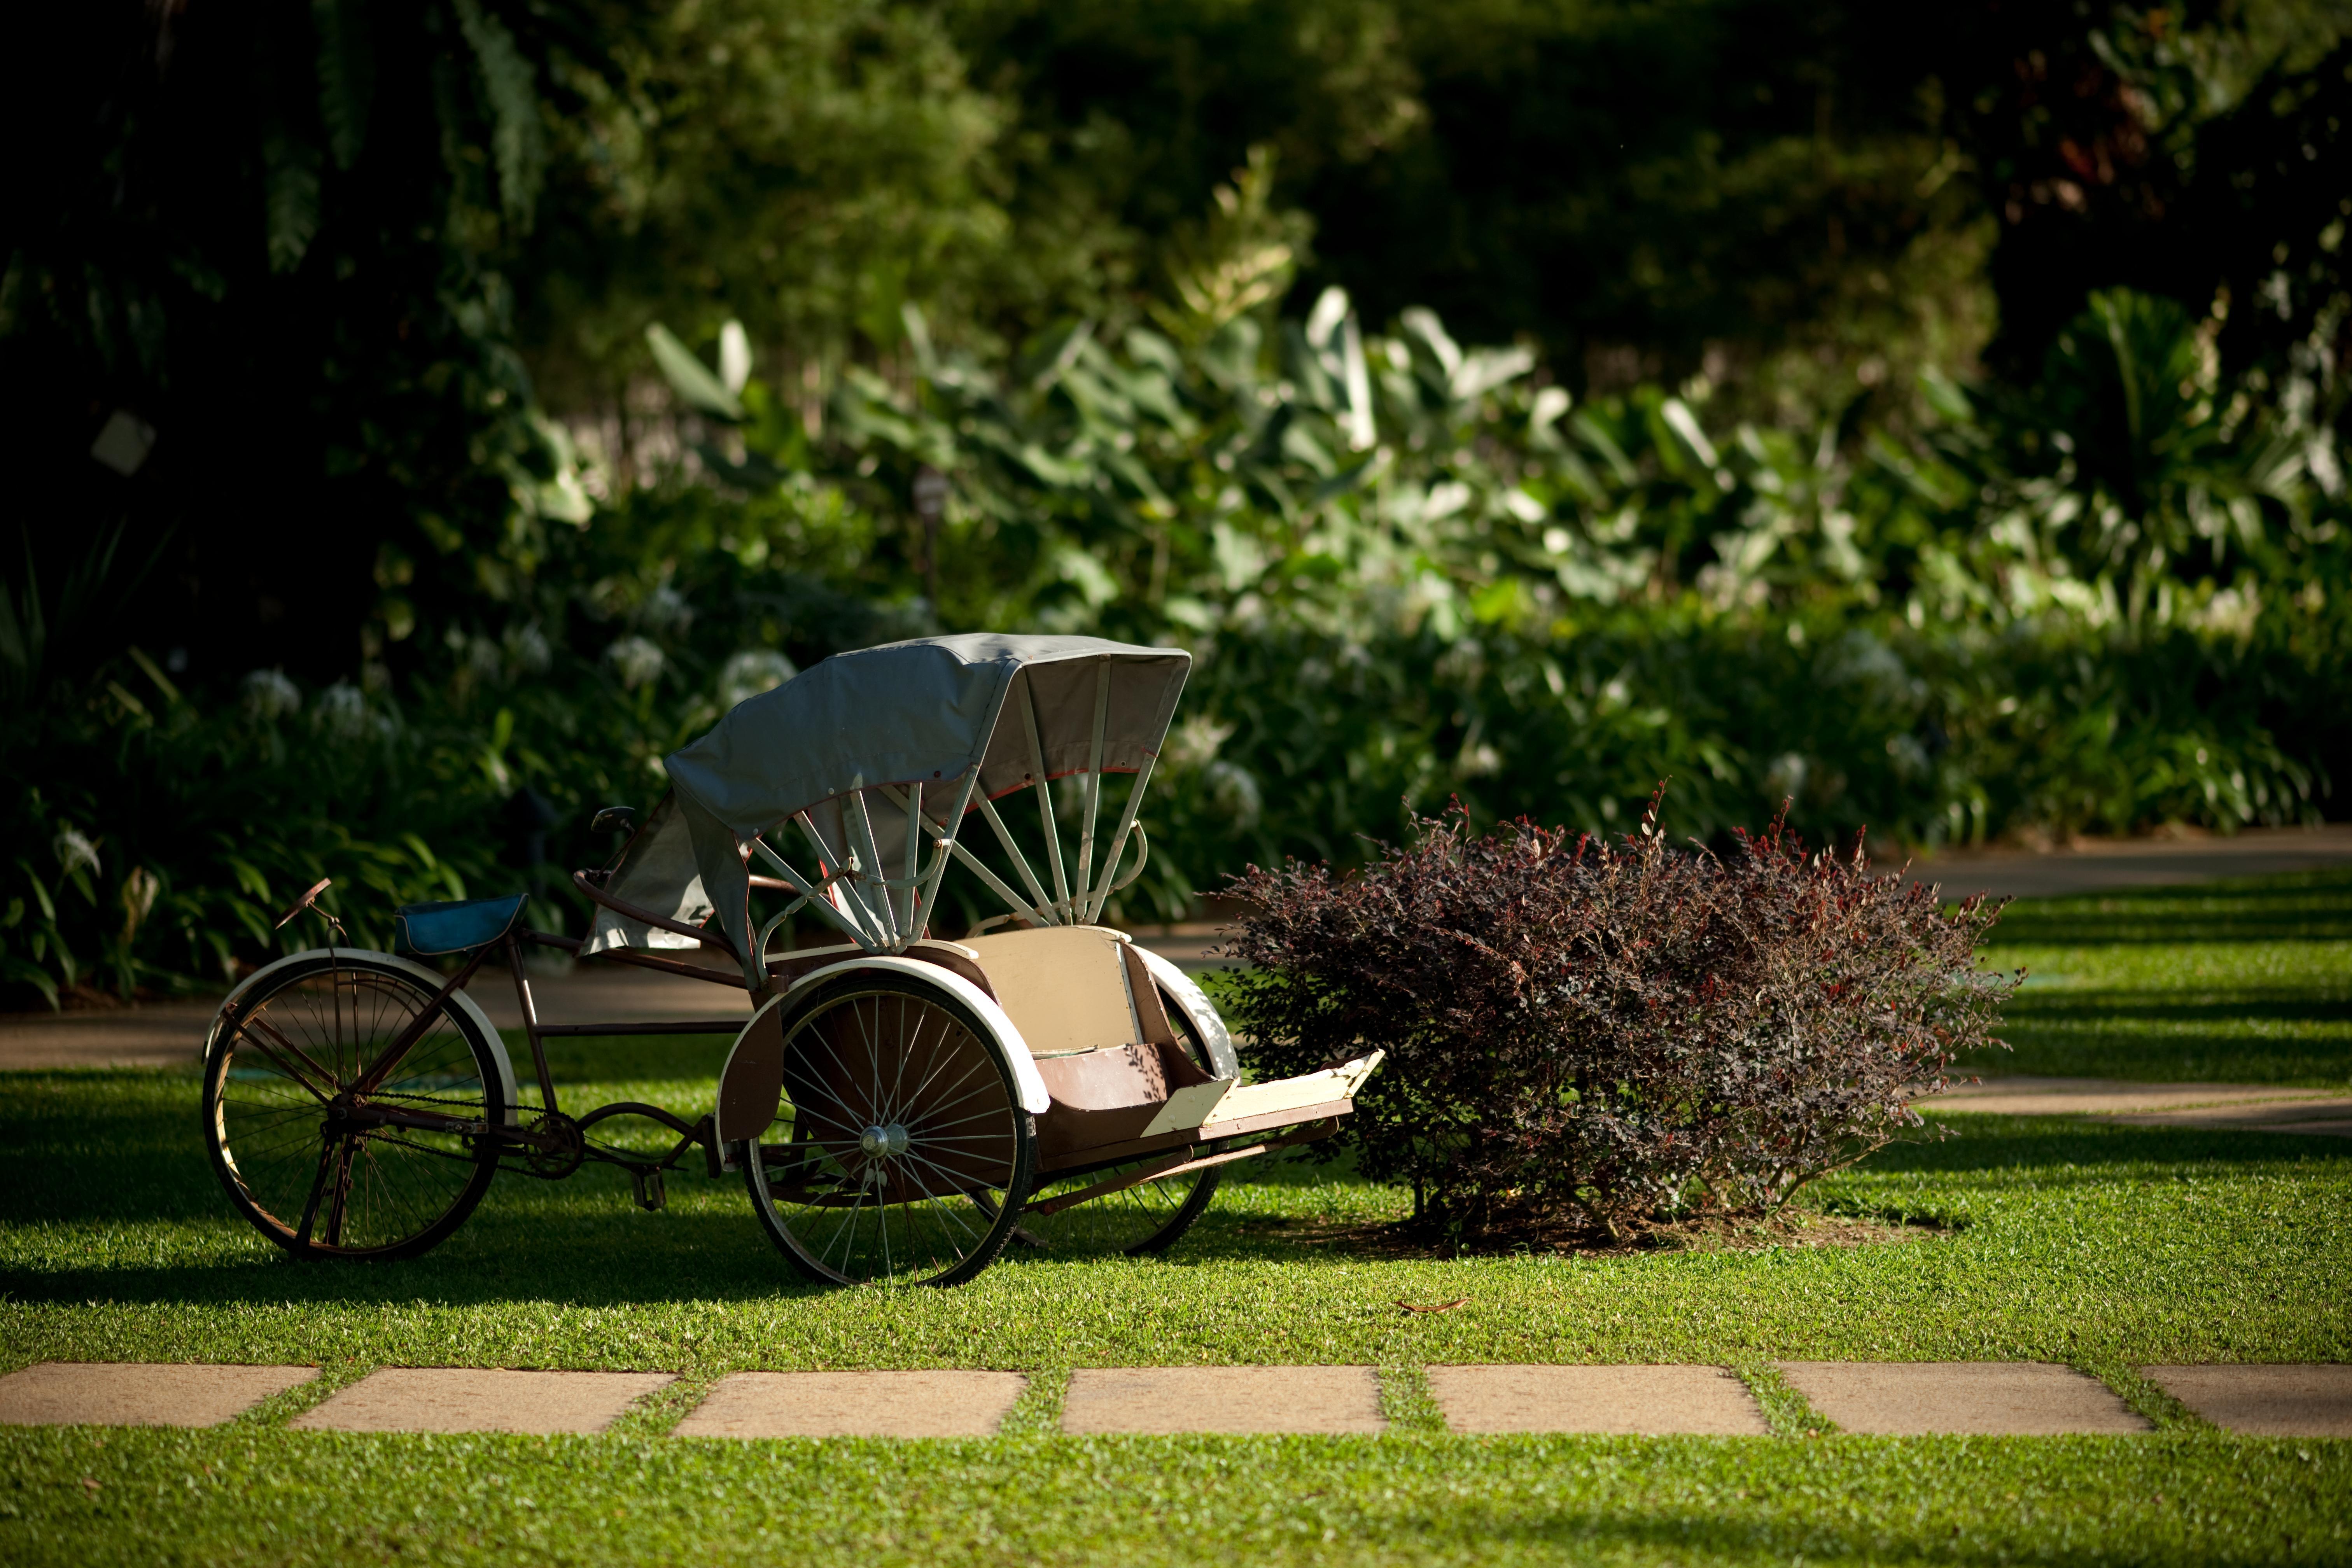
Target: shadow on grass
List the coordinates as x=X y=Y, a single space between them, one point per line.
x=2278 y=1003
x=106 y=1155
x=2309 y=906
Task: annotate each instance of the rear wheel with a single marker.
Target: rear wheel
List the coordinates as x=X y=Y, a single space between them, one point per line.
x=293 y=1122
x=1145 y=1218
x=901 y=1145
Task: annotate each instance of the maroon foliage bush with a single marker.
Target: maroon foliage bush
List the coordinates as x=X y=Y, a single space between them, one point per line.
x=1593 y=1034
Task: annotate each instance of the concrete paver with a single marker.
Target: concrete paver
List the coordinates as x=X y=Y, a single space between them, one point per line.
x=2019 y=1398
x=463 y=1399
x=1648 y=1401
x=855 y=1404
x=1222 y=1399
x=137 y=1393
x=2305 y=1400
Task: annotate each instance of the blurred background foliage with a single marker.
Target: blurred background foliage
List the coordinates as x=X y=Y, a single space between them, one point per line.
x=427 y=417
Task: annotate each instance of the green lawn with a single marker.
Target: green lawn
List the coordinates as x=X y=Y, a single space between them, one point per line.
x=2102 y=1247
x=2237 y=982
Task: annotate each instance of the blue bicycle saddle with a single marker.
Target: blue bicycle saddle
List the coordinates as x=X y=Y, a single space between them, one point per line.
x=425 y=929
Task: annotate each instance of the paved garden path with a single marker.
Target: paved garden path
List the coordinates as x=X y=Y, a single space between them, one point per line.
x=1879 y=1398
x=2231 y=1106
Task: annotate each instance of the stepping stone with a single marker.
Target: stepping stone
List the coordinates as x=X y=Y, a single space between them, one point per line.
x=1649 y=1401
x=2311 y=1400
x=855 y=1404
x=1164 y=1399
x=136 y=1394
x=460 y=1399
x=1918 y=1398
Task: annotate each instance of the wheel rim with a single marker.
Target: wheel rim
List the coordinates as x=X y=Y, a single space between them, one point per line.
x=900 y=1140
x=1137 y=1219
x=283 y=1084
x=1144 y=1218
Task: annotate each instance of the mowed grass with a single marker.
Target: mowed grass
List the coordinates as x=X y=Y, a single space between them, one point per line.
x=2108 y=1248
x=2246 y=981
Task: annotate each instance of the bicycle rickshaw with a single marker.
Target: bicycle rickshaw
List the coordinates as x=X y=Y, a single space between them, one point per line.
x=899 y=1107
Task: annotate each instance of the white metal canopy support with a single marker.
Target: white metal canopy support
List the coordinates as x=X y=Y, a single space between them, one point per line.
x=858 y=821
x=950 y=845
x=1094 y=790
x=851 y=906
x=1118 y=840
x=926 y=896
x=812 y=896
x=1046 y=804
x=1020 y=863
x=914 y=807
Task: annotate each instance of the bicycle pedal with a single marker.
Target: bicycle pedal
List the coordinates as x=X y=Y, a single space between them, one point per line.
x=651 y=1194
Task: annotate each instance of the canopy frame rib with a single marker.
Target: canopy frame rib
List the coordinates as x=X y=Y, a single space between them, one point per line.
x=810 y=894
x=1045 y=806
x=851 y=905
x=926 y=896
x=1106 y=888
x=1094 y=794
x=1020 y=864
x=948 y=849
x=914 y=807
x=858 y=821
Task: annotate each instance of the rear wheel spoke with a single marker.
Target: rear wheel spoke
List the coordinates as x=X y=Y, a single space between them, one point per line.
x=876 y=1067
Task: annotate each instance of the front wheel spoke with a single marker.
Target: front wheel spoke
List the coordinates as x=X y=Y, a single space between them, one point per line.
x=317 y=1191
x=338 y=1195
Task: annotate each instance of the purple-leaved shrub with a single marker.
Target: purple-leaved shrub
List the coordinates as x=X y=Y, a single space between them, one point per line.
x=1600 y=1035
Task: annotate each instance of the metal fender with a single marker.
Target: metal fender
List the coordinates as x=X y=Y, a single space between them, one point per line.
x=1197 y=1008
x=416 y=972
x=752 y=1084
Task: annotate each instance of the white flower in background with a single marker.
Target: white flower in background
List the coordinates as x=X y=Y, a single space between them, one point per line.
x=750 y=672
x=1194 y=742
x=75 y=851
x=483 y=657
x=1479 y=762
x=268 y=695
x=342 y=712
x=665 y=610
x=1233 y=793
x=526 y=651
x=1785 y=779
x=637 y=661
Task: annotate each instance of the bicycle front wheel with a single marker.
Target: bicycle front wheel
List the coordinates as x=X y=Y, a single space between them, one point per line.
x=324 y=1145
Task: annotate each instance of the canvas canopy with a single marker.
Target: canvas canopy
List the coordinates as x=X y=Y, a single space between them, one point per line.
x=921 y=713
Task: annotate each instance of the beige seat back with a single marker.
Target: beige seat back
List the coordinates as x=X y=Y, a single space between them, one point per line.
x=1065 y=988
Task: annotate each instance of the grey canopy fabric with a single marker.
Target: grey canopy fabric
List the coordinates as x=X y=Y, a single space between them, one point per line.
x=921 y=712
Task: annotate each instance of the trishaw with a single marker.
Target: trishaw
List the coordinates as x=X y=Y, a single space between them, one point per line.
x=899 y=1107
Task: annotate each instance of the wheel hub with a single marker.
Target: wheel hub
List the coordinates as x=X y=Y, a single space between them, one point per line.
x=879 y=1141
